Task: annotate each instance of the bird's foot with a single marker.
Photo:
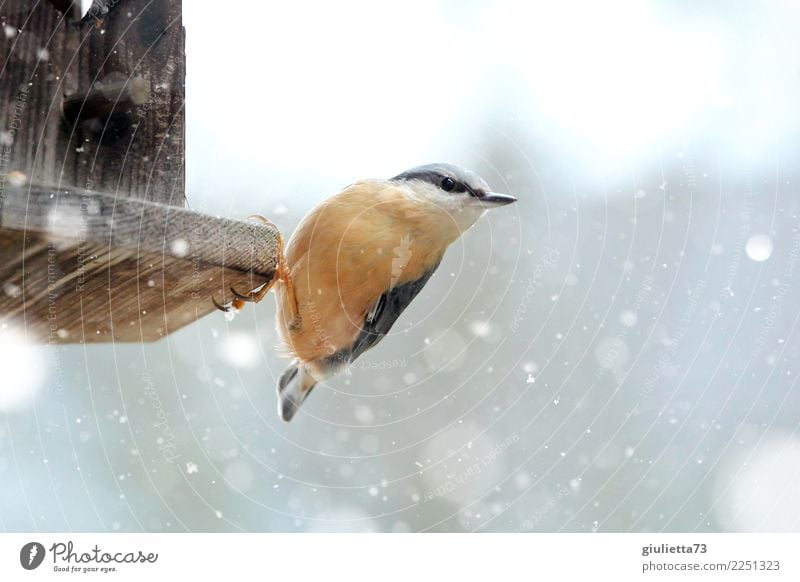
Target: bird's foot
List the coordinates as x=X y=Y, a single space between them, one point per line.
x=255 y=295
x=281 y=274
x=230 y=307
x=240 y=299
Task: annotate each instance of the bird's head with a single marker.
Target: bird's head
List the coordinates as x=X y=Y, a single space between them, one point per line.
x=461 y=192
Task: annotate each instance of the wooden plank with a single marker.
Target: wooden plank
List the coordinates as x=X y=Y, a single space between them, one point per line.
x=78 y=266
x=132 y=54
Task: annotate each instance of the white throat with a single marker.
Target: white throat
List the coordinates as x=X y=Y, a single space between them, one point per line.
x=461 y=208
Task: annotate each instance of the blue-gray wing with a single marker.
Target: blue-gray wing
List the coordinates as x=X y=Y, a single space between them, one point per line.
x=382 y=316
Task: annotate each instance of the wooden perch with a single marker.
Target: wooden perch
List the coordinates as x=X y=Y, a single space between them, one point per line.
x=79 y=266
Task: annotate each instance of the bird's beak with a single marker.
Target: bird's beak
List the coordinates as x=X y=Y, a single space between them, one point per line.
x=492 y=199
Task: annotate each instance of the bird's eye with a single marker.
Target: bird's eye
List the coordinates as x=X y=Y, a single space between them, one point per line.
x=448 y=184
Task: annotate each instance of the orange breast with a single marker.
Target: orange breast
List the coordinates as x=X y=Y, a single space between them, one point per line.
x=345 y=254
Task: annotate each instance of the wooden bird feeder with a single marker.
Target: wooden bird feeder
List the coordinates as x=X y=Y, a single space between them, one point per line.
x=97 y=243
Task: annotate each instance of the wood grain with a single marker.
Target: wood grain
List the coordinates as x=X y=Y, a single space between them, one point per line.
x=78 y=266
x=135 y=149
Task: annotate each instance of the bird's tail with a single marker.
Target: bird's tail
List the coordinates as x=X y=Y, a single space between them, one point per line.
x=294 y=386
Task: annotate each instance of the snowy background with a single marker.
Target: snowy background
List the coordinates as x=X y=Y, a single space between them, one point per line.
x=617 y=351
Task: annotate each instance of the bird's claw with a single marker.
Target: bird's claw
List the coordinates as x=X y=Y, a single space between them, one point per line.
x=227 y=307
x=242 y=297
x=238 y=301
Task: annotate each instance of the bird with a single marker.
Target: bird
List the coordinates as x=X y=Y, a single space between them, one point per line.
x=355 y=263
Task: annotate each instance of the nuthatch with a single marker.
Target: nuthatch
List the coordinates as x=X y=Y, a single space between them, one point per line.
x=355 y=263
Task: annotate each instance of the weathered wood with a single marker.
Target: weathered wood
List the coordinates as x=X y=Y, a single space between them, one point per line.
x=97 y=105
x=78 y=266
x=104 y=99
x=127 y=147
